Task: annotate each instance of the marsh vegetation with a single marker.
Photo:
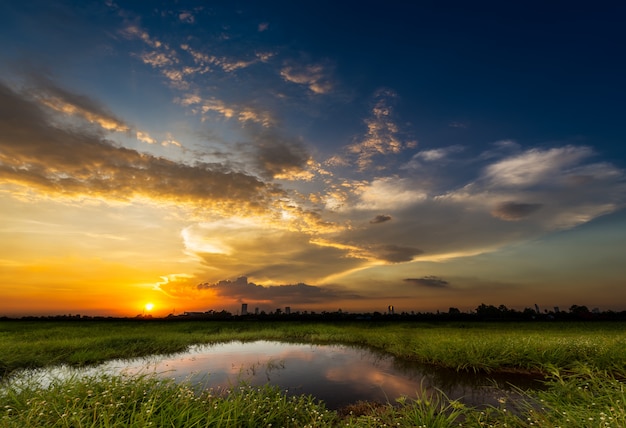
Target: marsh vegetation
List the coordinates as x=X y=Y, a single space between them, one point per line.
x=583 y=365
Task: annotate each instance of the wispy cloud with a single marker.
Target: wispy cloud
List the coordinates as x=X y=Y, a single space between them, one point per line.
x=206 y=62
x=133 y=31
x=433 y=155
x=242 y=113
x=535 y=166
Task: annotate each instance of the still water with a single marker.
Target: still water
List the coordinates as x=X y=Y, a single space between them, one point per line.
x=338 y=375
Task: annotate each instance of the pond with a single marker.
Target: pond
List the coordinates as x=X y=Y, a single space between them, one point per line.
x=338 y=375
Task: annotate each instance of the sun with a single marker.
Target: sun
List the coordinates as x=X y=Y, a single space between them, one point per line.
x=149 y=306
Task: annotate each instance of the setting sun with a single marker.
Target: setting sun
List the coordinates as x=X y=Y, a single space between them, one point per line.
x=149 y=307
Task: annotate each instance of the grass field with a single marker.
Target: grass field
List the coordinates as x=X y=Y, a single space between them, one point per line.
x=584 y=365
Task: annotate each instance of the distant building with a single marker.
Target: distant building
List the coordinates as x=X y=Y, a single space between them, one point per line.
x=287 y=310
x=244 y=309
x=390 y=309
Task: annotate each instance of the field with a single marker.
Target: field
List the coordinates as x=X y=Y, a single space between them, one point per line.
x=583 y=364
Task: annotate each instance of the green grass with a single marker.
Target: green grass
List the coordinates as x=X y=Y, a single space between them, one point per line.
x=584 y=365
x=487 y=347
x=116 y=401
x=584 y=398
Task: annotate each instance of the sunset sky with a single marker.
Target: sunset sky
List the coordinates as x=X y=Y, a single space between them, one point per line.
x=318 y=155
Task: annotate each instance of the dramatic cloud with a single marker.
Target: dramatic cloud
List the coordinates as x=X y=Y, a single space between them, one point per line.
x=513 y=211
x=244 y=291
x=467 y=220
x=428 y=281
x=71 y=161
x=381 y=218
x=266 y=250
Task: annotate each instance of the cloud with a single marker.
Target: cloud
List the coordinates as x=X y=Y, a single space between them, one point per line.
x=68 y=103
x=157 y=59
x=396 y=253
x=389 y=193
x=279 y=295
x=275 y=155
x=535 y=166
x=187 y=17
x=314 y=76
x=266 y=250
x=381 y=218
x=242 y=113
x=263 y=26
x=438 y=154
x=145 y=137
x=467 y=220
x=76 y=162
x=513 y=211
x=132 y=31
x=207 y=62
x=430 y=281
x=383 y=135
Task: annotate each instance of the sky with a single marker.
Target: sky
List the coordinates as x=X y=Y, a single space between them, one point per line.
x=197 y=155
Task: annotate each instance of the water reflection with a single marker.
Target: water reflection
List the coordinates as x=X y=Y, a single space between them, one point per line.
x=338 y=375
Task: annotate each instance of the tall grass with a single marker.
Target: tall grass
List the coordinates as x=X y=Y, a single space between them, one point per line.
x=583 y=398
x=144 y=401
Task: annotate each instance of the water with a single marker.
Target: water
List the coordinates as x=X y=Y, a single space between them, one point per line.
x=338 y=375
